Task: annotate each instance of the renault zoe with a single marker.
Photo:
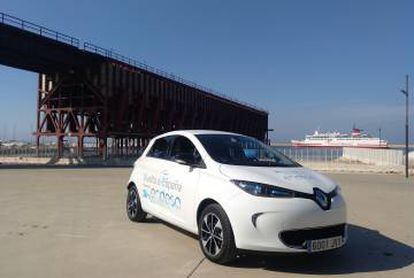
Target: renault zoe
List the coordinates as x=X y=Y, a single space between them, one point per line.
x=235 y=193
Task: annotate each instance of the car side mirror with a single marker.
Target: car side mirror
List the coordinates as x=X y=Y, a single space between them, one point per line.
x=188 y=160
x=181 y=161
x=184 y=159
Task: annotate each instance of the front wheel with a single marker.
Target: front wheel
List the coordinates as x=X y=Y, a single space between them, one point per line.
x=133 y=206
x=216 y=235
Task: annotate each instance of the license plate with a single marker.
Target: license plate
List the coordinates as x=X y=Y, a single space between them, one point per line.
x=319 y=245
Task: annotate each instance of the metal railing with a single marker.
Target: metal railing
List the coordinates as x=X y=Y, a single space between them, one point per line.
x=28 y=151
x=68 y=152
x=355 y=159
x=328 y=155
x=329 y=159
x=38 y=29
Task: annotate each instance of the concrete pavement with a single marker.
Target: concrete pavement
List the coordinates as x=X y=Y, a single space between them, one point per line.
x=71 y=223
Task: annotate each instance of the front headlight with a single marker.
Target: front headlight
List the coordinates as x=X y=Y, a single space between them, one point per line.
x=264 y=190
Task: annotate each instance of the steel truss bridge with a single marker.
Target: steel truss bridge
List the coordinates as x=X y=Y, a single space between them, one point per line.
x=88 y=91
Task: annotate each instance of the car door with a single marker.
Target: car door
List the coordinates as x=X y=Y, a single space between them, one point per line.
x=180 y=181
x=152 y=193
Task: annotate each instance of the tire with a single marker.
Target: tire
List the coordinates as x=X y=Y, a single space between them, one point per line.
x=225 y=252
x=133 y=206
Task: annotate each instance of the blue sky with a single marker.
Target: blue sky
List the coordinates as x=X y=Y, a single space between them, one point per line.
x=311 y=64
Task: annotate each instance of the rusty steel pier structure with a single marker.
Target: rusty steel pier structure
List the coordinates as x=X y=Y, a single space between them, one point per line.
x=88 y=91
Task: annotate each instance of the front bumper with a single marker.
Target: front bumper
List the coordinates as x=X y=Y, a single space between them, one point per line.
x=259 y=224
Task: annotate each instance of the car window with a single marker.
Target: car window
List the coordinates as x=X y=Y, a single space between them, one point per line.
x=243 y=150
x=160 y=148
x=182 y=146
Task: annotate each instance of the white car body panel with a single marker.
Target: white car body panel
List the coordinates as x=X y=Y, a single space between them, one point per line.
x=173 y=192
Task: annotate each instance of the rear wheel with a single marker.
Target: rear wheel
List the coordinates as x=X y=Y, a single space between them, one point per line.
x=216 y=235
x=133 y=206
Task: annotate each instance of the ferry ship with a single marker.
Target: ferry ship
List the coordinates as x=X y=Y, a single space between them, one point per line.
x=356 y=139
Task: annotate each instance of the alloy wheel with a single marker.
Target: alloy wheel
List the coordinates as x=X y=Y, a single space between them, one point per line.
x=212 y=234
x=132 y=204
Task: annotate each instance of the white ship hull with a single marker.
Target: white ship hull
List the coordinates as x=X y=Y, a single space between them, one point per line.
x=355 y=143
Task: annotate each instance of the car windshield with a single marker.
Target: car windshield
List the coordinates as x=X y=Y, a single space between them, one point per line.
x=243 y=150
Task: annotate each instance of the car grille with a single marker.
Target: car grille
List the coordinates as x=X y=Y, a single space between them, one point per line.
x=297 y=238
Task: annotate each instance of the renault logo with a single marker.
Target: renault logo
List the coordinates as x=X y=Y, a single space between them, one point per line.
x=322 y=198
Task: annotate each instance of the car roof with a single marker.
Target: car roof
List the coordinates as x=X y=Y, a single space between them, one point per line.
x=196 y=132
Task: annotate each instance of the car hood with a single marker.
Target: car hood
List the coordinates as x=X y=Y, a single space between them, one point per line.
x=294 y=178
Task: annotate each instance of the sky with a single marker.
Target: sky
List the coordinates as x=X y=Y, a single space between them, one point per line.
x=320 y=64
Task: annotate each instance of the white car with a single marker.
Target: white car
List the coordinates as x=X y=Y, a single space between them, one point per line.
x=237 y=194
